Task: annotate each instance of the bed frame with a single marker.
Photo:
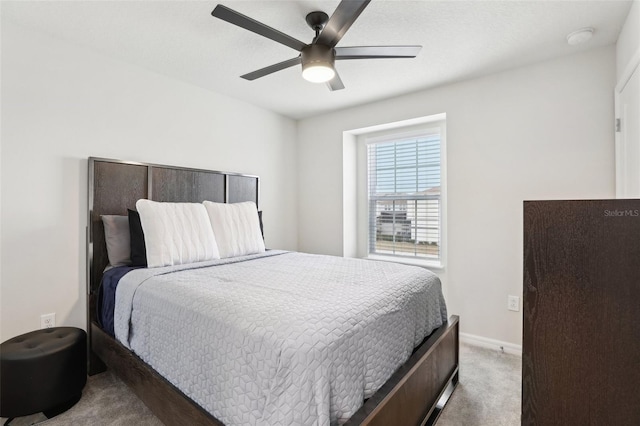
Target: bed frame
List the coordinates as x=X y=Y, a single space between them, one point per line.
x=414 y=395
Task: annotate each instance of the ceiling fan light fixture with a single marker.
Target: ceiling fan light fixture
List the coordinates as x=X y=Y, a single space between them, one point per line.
x=318 y=57
x=317 y=63
x=318 y=73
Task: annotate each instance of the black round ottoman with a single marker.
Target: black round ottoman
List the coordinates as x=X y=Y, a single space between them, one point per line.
x=42 y=371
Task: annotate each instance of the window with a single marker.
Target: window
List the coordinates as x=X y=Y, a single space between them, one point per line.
x=405 y=195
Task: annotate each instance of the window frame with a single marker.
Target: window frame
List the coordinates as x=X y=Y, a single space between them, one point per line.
x=397 y=135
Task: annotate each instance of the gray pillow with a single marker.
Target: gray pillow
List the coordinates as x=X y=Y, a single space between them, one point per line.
x=116 y=233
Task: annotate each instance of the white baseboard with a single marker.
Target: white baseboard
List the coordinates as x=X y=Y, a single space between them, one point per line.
x=485 y=342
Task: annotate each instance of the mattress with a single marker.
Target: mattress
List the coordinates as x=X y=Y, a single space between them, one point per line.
x=278 y=338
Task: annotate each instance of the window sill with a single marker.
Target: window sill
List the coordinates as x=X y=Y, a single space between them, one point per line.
x=437 y=266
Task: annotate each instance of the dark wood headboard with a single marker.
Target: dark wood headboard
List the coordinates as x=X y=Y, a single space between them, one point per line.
x=115 y=186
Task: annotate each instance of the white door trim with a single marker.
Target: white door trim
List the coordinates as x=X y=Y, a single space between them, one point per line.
x=620 y=151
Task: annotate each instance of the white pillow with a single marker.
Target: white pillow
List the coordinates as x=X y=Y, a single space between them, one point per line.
x=236 y=227
x=176 y=233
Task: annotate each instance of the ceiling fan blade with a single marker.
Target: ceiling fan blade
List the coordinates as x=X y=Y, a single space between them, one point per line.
x=335 y=83
x=236 y=18
x=344 y=16
x=374 y=52
x=272 y=68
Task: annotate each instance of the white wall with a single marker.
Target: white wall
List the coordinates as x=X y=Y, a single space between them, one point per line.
x=62 y=104
x=540 y=132
x=628 y=43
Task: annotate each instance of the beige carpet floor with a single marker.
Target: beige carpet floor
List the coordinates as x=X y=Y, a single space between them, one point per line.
x=488 y=395
x=489 y=391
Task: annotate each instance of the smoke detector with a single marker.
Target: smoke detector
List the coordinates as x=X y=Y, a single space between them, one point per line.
x=580 y=36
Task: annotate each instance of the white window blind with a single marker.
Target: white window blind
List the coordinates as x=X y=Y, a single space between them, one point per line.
x=405 y=213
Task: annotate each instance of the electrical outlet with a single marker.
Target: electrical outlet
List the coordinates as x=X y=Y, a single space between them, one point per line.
x=48 y=320
x=513 y=303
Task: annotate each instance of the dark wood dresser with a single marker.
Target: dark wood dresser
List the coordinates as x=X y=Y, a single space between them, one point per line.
x=581 y=336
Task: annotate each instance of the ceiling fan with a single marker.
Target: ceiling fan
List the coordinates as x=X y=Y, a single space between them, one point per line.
x=318 y=57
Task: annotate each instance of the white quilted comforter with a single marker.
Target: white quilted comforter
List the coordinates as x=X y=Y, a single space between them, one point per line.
x=278 y=338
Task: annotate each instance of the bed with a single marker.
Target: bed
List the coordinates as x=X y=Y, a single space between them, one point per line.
x=414 y=394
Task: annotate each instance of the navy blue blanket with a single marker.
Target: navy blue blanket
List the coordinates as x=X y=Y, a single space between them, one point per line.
x=107 y=296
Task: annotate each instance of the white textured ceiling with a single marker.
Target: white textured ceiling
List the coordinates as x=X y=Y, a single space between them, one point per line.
x=460 y=39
